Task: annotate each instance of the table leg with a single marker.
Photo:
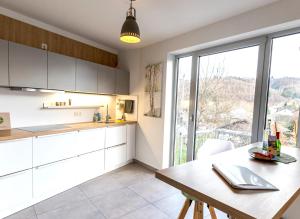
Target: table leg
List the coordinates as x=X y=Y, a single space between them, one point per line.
x=212 y=212
x=185 y=208
x=198 y=210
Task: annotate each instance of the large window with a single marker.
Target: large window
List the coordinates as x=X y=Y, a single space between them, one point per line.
x=226 y=91
x=284 y=87
x=229 y=92
x=182 y=109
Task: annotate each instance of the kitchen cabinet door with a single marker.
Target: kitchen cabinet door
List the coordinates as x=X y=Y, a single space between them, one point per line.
x=4 y=63
x=122 y=82
x=52 y=148
x=90 y=165
x=27 y=66
x=106 y=80
x=115 y=157
x=91 y=140
x=115 y=136
x=61 y=72
x=86 y=76
x=51 y=179
x=15 y=155
x=131 y=141
x=15 y=189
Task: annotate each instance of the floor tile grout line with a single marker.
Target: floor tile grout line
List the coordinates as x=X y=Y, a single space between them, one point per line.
x=91 y=202
x=54 y=209
x=169 y=216
x=36 y=215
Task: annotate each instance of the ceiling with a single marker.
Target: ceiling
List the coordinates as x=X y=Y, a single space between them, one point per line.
x=101 y=20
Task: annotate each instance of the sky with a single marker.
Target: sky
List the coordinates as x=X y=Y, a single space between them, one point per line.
x=243 y=62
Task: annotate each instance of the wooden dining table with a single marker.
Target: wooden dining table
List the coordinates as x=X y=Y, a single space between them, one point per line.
x=198 y=179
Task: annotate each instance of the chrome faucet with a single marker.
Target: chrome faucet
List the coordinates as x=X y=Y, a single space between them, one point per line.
x=107 y=117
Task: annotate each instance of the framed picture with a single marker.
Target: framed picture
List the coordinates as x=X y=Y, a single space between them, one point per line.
x=4 y=121
x=153 y=89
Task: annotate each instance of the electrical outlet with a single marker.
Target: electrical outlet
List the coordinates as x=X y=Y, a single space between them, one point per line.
x=77 y=114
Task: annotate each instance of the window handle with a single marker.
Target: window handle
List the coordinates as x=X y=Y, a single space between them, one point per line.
x=192 y=118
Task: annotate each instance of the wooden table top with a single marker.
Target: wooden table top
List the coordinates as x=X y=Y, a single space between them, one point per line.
x=198 y=179
x=13 y=134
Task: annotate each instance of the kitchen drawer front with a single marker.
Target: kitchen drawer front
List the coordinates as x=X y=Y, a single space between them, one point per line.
x=91 y=165
x=91 y=140
x=115 y=136
x=15 y=155
x=51 y=148
x=131 y=141
x=115 y=157
x=15 y=189
x=51 y=179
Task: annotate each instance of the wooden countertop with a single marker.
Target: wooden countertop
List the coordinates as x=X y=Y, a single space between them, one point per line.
x=13 y=134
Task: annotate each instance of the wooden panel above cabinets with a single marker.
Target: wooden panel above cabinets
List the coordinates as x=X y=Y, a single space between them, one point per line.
x=4 y=24
x=20 y=32
x=23 y=33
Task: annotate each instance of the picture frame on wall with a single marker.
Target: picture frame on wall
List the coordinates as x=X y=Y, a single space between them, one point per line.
x=153 y=90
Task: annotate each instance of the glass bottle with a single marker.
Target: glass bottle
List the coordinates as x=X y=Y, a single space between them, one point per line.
x=278 y=143
x=267 y=133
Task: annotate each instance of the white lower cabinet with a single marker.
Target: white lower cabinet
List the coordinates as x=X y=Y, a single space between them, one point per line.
x=15 y=189
x=90 y=165
x=37 y=168
x=115 y=136
x=51 y=148
x=115 y=157
x=15 y=155
x=54 y=178
x=130 y=141
x=90 y=140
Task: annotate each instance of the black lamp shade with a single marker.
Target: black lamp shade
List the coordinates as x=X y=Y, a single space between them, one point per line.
x=130 y=32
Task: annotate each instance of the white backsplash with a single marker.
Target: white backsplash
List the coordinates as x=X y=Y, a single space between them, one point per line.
x=25 y=107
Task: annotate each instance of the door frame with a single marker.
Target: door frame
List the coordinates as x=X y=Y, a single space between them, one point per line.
x=258 y=41
x=261 y=88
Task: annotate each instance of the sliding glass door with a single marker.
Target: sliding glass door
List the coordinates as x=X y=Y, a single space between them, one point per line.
x=226 y=95
x=183 y=86
x=229 y=92
x=284 y=87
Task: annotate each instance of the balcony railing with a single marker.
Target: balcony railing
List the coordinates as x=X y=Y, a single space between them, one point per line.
x=239 y=138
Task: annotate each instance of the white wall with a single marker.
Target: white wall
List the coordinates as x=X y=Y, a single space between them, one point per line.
x=25 y=107
x=153 y=133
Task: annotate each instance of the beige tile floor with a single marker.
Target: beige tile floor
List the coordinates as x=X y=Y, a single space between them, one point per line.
x=131 y=192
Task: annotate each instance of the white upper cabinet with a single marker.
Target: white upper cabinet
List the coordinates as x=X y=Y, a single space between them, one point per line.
x=4 y=63
x=86 y=76
x=106 y=80
x=131 y=141
x=15 y=155
x=115 y=136
x=27 y=66
x=91 y=140
x=61 y=72
x=52 y=148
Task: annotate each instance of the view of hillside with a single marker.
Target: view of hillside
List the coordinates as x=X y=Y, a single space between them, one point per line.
x=226 y=95
x=283 y=107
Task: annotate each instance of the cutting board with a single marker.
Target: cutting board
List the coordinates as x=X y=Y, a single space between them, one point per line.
x=4 y=121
